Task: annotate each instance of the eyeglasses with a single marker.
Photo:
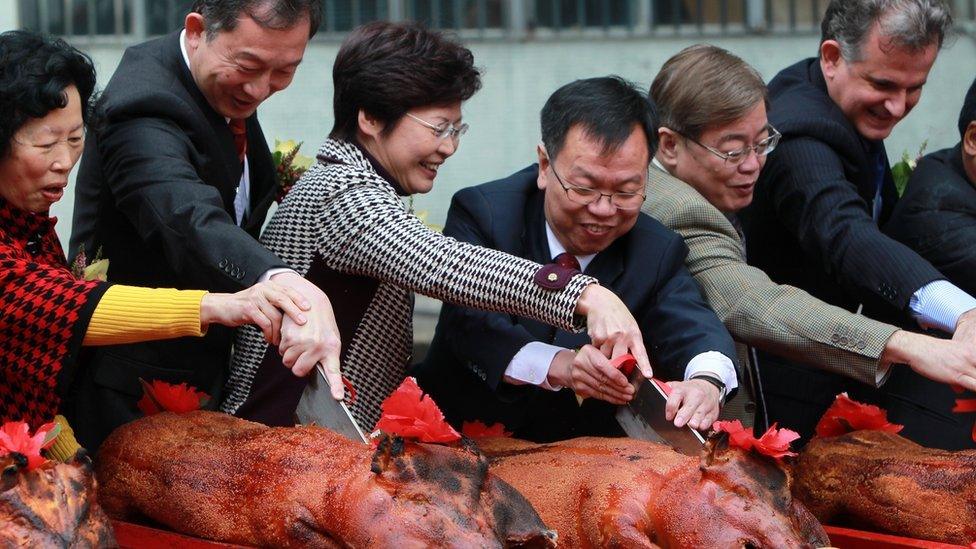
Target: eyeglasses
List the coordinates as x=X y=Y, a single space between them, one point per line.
x=445 y=130
x=737 y=157
x=587 y=196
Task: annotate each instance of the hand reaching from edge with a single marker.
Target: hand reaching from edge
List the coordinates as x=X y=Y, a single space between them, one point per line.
x=302 y=346
x=611 y=326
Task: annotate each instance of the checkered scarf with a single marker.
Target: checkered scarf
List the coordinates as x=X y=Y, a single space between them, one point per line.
x=44 y=313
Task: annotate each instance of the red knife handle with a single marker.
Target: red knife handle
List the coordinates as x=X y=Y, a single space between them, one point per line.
x=625 y=363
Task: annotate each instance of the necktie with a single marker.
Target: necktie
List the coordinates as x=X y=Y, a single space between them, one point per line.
x=880 y=162
x=567 y=260
x=240 y=137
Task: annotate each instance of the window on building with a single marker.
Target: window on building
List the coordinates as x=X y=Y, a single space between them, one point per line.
x=345 y=15
x=458 y=14
x=78 y=17
x=165 y=16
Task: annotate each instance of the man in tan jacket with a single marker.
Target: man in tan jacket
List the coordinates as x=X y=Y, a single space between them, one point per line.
x=714 y=136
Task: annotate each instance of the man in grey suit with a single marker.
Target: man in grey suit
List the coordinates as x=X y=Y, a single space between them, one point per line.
x=714 y=137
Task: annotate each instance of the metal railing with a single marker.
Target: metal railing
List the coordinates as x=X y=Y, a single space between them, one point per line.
x=135 y=20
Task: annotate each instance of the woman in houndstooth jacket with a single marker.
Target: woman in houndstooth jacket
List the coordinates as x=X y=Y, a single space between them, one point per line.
x=398 y=94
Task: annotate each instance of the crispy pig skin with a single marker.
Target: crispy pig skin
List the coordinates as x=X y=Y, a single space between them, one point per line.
x=51 y=506
x=879 y=481
x=618 y=492
x=222 y=478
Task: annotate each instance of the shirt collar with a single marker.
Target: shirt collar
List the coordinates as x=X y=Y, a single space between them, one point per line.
x=556 y=248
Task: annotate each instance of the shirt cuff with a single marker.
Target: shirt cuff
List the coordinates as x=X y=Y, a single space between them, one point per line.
x=277 y=270
x=939 y=304
x=530 y=366
x=716 y=364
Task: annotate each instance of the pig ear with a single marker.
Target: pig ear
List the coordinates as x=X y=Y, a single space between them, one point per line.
x=9 y=475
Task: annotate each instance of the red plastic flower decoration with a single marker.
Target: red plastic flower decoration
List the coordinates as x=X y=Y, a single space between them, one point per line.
x=166 y=397
x=409 y=413
x=774 y=443
x=846 y=415
x=477 y=429
x=15 y=437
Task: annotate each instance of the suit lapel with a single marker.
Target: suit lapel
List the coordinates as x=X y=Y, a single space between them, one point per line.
x=608 y=265
x=262 y=176
x=534 y=240
x=535 y=246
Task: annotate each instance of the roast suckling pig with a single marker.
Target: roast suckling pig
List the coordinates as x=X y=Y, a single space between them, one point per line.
x=618 y=492
x=880 y=481
x=218 y=477
x=50 y=506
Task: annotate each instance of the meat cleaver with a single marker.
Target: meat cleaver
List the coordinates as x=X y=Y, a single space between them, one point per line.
x=317 y=406
x=643 y=417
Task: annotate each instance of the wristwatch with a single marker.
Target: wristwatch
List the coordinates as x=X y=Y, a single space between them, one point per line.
x=714 y=381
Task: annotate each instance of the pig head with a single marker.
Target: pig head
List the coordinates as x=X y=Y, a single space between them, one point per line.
x=52 y=506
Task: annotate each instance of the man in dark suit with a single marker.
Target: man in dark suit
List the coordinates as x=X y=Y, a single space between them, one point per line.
x=174 y=186
x=827 y=187
x=936 y=217
x=579 y=207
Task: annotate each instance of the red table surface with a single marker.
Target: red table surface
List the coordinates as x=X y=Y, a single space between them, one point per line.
x=134 y=536
x=845 y=538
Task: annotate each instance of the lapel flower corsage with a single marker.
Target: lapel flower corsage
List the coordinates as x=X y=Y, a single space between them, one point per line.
x=901 y=171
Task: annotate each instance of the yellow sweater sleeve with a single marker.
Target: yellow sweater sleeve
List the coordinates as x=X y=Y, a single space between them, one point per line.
x=65 y=446
x=128 y=314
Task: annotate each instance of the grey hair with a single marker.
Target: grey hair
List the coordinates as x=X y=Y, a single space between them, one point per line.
x=911 y=24
x=222 y=15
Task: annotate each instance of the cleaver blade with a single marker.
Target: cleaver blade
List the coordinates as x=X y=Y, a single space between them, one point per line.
x=318 y=407
x=643 y=418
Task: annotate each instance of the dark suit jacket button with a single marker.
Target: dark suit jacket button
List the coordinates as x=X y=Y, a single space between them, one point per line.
x=750 y=407
x=240 y=275
x=222 y=264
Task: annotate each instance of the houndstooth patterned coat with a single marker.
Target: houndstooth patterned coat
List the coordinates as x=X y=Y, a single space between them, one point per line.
x=345 y=214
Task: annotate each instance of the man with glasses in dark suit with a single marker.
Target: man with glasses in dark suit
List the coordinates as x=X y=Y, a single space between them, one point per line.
x=579 y=208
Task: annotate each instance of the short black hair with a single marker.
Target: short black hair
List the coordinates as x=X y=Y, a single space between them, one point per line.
x=34 y=72
x=968 y=112
x=222 y=15
x=386 y=69
x=607 y=108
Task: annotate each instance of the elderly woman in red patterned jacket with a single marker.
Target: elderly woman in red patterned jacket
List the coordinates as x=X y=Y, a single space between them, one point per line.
x=398 y=95
x=46 y=312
